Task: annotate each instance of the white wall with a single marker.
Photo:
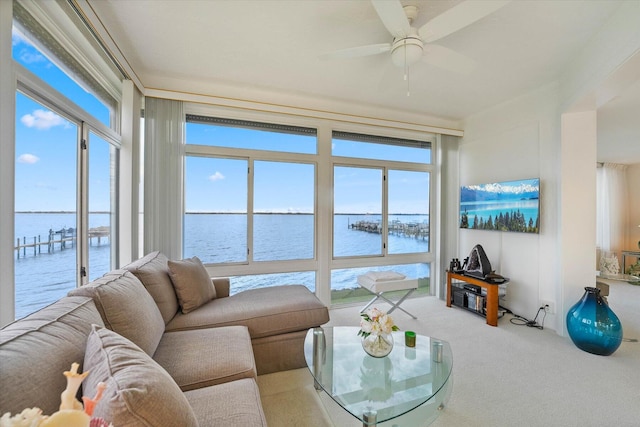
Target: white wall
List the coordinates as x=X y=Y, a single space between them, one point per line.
x=577 y=209
x=550 y=133
x=518 y=140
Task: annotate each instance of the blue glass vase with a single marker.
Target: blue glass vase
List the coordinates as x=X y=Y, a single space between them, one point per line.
x=593 y=326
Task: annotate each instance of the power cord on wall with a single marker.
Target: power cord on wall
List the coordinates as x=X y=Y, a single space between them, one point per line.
x=523 y=321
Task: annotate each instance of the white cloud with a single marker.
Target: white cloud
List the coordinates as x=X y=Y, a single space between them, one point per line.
x=31 y=57
x=28 y=158
x=17 y=37
x=28 y=54
x=216 y=177
x=42 y=120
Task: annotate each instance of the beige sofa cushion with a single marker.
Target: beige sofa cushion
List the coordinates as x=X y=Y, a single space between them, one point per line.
x=126 y=308
x=265 y=311
x=36 y=350
x=204 y=357
x=153 y=272
x=138 y=391
x=191 y=282
x=237 y=403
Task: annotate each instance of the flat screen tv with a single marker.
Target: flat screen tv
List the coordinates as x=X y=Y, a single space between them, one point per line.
x=501 y=206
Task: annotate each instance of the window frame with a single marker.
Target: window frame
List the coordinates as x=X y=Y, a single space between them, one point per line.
x=324 y=263
x=38 y=90
x=31 y=86
x=338 y=263
x=251 y=267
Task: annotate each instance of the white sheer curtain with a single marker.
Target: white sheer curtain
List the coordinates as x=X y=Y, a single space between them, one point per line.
x=612 y=208
x=164 y=125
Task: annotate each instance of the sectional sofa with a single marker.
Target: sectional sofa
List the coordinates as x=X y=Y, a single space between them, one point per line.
x=173 y=347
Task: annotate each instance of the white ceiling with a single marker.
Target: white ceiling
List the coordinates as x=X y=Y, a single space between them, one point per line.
x=271 y=45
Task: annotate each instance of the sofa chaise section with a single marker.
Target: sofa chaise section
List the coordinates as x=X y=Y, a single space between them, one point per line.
x=277 y=317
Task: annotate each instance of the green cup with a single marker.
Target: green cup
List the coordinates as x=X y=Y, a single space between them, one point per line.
x=410 y=339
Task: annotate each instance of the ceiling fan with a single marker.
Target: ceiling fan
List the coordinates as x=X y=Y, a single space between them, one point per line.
x=411 y=44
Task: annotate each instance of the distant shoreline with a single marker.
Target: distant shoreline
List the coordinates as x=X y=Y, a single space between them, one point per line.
x=299 y=213
x=230 y=213
x=59 y=212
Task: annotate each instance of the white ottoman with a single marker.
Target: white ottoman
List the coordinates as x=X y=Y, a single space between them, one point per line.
x=379 y=282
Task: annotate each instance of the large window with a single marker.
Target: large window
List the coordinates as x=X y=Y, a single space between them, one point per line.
x=381 y=210
x=265 y=205
x=66 y=159
x=250 y=199
x=45 y=205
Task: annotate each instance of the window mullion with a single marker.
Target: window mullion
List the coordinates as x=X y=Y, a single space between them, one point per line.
x=385 y=212
x=82 y=220
x=250 y=199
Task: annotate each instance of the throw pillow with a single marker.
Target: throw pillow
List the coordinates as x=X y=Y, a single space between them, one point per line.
x=192 y=283
x=138 y=391
x=126 y=308
x=153 y=272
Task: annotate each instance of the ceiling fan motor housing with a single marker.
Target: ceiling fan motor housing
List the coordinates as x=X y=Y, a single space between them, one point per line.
x=406 y=51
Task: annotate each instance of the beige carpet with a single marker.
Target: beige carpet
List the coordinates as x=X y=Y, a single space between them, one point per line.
x=506 y=376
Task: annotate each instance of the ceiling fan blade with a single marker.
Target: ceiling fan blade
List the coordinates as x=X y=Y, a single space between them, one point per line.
x=356 y=52
x=393 y=17
x=458 y=17
x=448 y=59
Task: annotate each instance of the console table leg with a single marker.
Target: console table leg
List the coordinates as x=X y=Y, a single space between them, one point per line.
x=492 y=305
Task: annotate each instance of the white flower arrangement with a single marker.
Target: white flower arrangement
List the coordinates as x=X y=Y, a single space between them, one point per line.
x=376 y=322
x=375 y=329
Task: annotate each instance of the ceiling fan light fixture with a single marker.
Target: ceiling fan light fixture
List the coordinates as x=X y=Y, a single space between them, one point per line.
x=406 y=52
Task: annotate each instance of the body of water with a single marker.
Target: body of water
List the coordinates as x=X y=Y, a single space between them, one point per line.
x=214 y=238
x=43 y=278
x=492 y=210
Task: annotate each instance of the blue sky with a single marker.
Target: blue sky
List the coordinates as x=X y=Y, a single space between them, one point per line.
x=46 y=162
x=46 y=151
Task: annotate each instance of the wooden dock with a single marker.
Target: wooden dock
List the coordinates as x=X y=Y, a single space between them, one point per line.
x=418 y=230
x=61 y=239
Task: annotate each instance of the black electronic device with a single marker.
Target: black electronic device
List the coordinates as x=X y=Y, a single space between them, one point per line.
x=473 y=288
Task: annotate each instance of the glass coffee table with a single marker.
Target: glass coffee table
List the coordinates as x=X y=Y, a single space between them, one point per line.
x=411 y=383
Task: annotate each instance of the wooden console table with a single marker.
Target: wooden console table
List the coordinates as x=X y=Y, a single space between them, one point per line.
x=491 y=298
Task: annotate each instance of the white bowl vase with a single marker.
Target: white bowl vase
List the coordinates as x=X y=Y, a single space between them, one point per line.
x=378 y=345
